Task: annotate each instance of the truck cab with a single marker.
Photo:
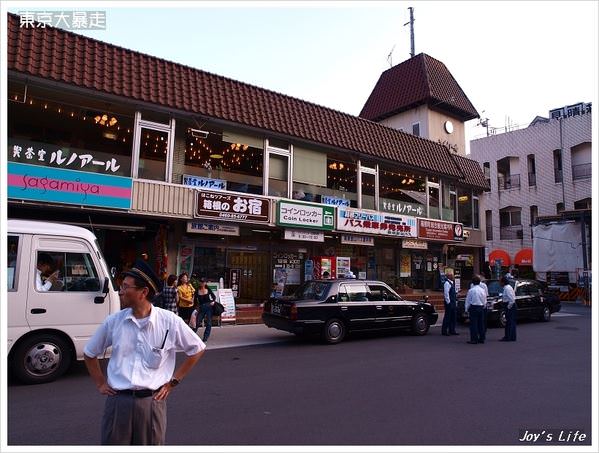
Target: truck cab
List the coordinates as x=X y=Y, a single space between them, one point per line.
x=59 y=291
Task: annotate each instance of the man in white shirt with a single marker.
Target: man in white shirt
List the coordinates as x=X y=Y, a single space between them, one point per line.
x=141 y=371
x=45 y=264
x=476 y=299
x=509 y=299
x=450 y=315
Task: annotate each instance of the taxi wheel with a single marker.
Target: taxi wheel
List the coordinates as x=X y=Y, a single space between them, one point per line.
x=420 y=325
x=546 y=314
x=334 y=331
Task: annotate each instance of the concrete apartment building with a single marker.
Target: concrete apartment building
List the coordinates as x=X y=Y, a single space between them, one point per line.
x=540 y=171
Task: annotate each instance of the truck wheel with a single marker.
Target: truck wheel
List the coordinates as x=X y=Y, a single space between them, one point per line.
x=334 y=331
x=41 y=358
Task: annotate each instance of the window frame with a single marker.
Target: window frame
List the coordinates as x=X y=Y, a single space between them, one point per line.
x=169 y=129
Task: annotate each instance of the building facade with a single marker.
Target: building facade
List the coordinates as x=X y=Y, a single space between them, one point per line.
x=213 y=176
x=541 y=171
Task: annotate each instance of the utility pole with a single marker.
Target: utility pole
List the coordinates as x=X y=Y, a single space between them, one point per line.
x=412 y=50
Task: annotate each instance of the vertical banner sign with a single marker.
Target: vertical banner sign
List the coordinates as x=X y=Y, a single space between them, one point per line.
x=234 y=277
x=185 y=259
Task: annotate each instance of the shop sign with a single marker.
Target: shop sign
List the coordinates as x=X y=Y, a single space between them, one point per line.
x=220 y=229
x=232 y=207
x=287 y=268
x=56 y=185
x=401 y=207
x=438 y=230
x=334 y=201
x=234 y=277
x=225 y=297
x=414 y=244
x=305 y=215
x=47 y=155
x=304 y=235
x=204 y=183
x=368 y=222
x=353 y=239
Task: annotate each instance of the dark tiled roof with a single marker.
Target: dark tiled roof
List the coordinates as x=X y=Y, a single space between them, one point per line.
x=473 y=174
x=417 y=81
x=73 y=59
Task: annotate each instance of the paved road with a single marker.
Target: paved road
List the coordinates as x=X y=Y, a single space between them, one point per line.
x=370 y=390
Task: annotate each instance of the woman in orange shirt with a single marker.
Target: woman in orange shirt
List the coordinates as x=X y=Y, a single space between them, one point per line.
x=185 y=291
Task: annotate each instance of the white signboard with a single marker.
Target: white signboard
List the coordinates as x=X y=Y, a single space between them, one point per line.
x=414 y=244
x=352 y=239
x=305 y=215
x=225 y=297
x=213 y=228
x=379 y=223
x=304 y=235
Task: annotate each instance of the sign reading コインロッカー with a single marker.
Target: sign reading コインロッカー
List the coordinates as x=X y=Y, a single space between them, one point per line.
x=378 y=223
x=305 y=215
x=439 y=230
x=233 y=207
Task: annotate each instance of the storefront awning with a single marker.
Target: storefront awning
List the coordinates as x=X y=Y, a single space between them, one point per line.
x=524 y=257
x=499 y=254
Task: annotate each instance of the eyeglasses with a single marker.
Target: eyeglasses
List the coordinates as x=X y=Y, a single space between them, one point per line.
x=125 y=287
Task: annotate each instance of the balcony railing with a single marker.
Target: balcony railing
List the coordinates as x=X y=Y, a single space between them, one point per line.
x=582 y=171
x=508 y=182
x=511 y=232
x=532 y=179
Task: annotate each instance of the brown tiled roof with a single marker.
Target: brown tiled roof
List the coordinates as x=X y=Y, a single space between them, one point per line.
x=73 y=59
x=417 y=81
x=473 y=174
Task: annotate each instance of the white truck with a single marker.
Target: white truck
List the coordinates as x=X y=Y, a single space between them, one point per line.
x=50 y=320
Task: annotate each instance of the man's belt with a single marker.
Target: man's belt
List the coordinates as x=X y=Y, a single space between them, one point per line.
x=144 y=393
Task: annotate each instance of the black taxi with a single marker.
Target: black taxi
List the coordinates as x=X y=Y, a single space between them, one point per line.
x=333 y=308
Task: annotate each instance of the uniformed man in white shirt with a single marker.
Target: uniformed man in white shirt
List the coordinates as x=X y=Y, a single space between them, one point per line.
x=476 y=299
x=141 y=371
x=509 y=299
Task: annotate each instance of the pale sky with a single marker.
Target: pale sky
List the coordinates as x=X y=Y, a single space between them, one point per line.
x=514 y=60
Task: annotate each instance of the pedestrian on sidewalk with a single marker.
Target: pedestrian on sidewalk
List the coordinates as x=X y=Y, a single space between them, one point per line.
x=141 y=371
x=509 y=299
x=170 y=295
x=185 y=291
x=204 y=299
x=450 y=301
x=476 y=299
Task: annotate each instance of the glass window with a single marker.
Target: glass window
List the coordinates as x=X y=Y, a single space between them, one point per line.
x=217 y=155
x=12 y=253
x=309 y=174
x=402 y=192
x=356 y=292
x=465 y=207
x=341 y=181
x=153 y=146
x=433 y=201
x=416 y=129
x=73 y=272
x=368 y=191
x=278 y=175
x=61 y=130
x=475 y=214
x=382 y=293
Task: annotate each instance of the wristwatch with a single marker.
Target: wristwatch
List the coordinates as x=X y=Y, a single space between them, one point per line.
x=174 y=382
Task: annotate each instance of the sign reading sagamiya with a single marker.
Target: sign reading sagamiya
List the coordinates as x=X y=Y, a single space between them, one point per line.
x=233 y=207
x=439 y=230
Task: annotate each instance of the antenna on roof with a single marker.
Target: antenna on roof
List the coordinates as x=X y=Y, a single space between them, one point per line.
x=390 y=57
x=411 y=22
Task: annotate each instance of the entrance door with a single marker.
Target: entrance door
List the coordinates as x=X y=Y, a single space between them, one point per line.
x=255 y=279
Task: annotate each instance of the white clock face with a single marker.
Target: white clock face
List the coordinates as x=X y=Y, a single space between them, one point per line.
x=448 y=127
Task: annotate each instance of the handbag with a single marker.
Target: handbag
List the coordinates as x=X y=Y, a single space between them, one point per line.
x=193 y=319
x=218 y=309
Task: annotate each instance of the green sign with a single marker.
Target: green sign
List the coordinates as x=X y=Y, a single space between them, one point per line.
x=305 y=215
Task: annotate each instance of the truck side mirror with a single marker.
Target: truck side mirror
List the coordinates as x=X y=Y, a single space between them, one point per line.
x=105 y=288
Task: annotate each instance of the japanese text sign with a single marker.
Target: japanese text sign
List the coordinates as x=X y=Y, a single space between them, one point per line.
x=438 y=230
x=305 y=215
x=204 y=183
x=233 y=207
x=378 y=223
x=401 y=207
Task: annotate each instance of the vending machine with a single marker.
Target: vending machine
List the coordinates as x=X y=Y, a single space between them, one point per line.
x=324 y=264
